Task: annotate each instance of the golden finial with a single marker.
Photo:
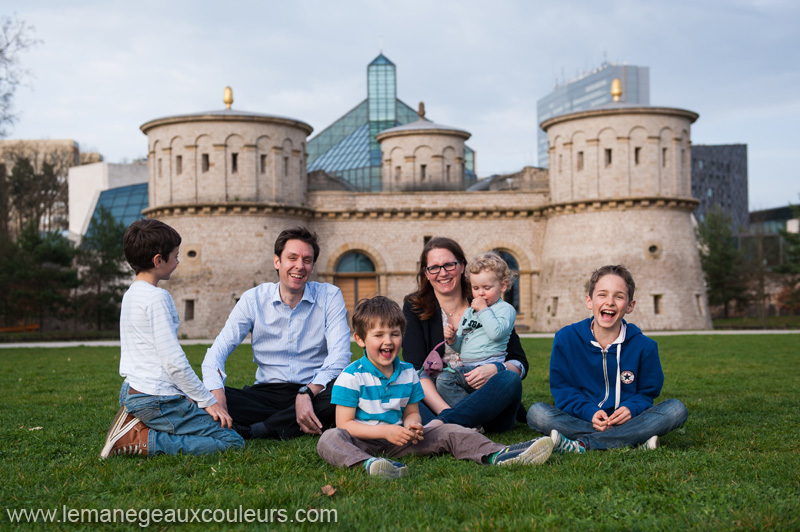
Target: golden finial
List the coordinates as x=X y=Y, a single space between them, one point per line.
x=616 y=89
x=228 y=97
x=421 y=111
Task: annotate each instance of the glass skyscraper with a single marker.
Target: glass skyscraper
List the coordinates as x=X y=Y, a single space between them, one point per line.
x=348 y=149
x=589 y=91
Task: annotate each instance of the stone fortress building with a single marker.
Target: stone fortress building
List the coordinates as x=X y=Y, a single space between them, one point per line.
x=619 y=191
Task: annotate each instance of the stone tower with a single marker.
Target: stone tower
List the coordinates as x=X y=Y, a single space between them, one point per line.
x=228 y=181
x=620 y=189
x=422 y=156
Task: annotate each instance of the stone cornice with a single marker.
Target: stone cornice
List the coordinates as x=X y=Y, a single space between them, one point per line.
x=429 y=213
x=234 y=208
x=621 y=204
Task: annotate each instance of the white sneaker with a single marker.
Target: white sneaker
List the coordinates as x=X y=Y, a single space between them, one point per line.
x=650 y=444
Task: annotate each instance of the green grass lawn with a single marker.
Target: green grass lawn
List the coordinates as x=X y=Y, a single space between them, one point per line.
x=734 y=465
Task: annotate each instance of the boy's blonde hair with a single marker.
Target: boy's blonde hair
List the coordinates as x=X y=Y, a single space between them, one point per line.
x=491 y=261
x=376 y=311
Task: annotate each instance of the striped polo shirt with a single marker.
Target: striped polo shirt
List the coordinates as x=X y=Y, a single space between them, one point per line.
x=376 y=398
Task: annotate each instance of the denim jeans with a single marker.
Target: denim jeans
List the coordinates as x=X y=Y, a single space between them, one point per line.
x=655 y=421
x=177 y=425
x=452 y=385
x=493 y=406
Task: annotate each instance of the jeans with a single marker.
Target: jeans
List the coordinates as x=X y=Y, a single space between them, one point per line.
x=177 y=425
x=452 y=385
x=493 y=406
x=655 y=421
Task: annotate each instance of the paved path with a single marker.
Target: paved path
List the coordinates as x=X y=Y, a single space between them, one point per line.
x=115 y=343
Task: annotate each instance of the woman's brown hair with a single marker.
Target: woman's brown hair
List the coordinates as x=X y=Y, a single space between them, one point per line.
x=423 y=300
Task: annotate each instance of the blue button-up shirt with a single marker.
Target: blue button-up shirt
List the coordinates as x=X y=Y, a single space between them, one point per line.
x=307 y=344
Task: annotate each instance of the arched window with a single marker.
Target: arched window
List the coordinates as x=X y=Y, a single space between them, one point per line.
x=356 y=278
x=512 y=293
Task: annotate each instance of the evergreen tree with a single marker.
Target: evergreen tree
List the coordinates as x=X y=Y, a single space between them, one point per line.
x=40 y=275
x=103 y=270
x=790 y=295
x=723 y=264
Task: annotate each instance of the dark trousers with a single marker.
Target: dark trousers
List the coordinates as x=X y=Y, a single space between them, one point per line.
x=268 y=409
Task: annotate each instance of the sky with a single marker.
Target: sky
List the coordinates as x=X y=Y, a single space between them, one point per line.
x=103 y=68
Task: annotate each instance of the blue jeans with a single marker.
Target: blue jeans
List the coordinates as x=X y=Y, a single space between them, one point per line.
x=655 y=421
x=177 y=425
x=452 y=385
x=493 y=406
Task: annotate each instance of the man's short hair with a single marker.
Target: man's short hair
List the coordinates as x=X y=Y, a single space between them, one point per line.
x=297 y=233
x=144 y=239
x=377 y=311
x=618 y=270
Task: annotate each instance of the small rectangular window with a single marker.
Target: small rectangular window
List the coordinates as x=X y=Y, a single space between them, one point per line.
x=263 y=164
x=657 y=304
x=636 y=152
x=554 y=307
x=179 y=164
x=560 y=168
x=234 y=163
x=426 y=239
x=422 y=172
x=699 y=300
x=448 y=172
x=188 y=310
x=204 y=162
x=608 y=157
x=664 y=157
x=159 y=167
x=285 y=167
x=580 y=160
x=398 y=173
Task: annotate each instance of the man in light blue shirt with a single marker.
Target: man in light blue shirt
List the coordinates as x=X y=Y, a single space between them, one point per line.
x=300 y=340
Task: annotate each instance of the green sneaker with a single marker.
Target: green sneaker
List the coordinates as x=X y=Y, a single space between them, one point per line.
x=381 y=467
x=532 y=452
x=563 y=445
x=650 y=444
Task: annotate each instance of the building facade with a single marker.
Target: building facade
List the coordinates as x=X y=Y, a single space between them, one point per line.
x=589 y=91
x=719 y=177
x=230 y=181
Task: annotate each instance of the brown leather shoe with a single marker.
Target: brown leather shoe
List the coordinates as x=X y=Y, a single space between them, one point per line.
x=127 y=435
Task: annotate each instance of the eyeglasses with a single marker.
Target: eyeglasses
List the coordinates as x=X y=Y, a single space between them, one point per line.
x=436 y=268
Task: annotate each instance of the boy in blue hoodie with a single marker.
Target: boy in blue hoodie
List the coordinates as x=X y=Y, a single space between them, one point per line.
x=604 y=376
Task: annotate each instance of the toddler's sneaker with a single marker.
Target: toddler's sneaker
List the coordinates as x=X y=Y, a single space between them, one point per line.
x=532 y=452
x=650 y=444
x=381 y=467
x=563 y=445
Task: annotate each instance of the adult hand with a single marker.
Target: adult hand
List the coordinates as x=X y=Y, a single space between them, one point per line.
x=218 y=413
x=621 y=415
x=600 y=420
x=306 y=418
x=478 y=376
x=222 y=401
x=398 y=435
x=478 y=304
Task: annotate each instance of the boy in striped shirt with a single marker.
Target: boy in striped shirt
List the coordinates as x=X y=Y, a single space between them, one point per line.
x=377 y=410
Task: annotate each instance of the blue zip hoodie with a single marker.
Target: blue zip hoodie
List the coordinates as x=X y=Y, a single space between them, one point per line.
x=585 y=379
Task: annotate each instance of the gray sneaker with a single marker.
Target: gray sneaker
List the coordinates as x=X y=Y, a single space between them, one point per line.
x=532 y=452
x=650 y=444
x=381 y=467
x=563 y=445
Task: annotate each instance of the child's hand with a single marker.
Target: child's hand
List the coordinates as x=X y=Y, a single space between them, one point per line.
x=600 y=420
x=621 y=415
x=418 y=430
x=450 y=334
x=398 y=435
x=478 y=304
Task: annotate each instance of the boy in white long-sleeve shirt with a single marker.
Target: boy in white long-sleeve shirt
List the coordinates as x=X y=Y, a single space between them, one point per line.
x=164 y=406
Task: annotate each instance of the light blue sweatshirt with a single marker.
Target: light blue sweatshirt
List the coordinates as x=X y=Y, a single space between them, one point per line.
x=484 y=335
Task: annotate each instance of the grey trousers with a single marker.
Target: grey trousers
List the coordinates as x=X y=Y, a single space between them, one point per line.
x=339 y=448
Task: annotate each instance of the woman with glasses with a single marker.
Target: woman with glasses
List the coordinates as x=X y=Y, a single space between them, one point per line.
x=441 y=297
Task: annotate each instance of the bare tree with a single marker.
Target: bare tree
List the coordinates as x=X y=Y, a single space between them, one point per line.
x=16 y=36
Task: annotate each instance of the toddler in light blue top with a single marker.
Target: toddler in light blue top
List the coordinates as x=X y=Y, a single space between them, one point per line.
x=483 y=332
